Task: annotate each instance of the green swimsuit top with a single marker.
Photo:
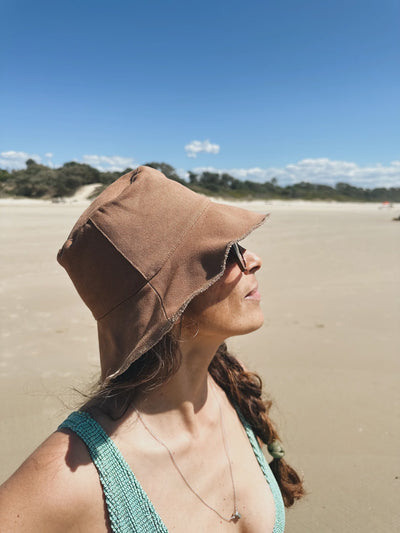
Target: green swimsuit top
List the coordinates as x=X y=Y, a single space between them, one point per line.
x=129 y=508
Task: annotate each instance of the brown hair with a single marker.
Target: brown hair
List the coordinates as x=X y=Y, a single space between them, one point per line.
x=145 y=374
x=242 y=388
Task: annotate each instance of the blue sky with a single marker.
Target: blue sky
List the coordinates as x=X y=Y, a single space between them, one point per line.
x=299 y=90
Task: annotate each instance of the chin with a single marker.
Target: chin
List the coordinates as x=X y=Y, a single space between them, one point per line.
x=255 y=327
x=252 y=323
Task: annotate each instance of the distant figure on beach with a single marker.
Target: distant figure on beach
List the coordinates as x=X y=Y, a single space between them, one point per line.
x=386 y=205
x=170 y=438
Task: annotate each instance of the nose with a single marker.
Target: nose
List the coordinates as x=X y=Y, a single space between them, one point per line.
x=253 y=262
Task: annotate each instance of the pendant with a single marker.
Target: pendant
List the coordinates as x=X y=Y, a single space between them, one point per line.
x=235 y=517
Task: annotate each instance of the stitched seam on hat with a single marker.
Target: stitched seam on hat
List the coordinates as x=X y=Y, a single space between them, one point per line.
x=199 y=291
x=171 y=251
x=141 y=273
x=219 y=275
x=156 y=338
x=121 y=302
x=81 y=222
x=160 y=299
x=116 y=247
x=143 y=349
x=188 y=228
x=131 y=296
x=183 y=235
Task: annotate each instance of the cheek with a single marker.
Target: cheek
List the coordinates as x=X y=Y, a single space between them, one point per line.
x=230 y=317
x=218 y=297
x=221 y=309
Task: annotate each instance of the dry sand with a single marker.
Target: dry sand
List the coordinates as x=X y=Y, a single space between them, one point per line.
x=328 y=351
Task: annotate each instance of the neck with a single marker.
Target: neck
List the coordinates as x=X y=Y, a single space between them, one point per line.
x=185 y=395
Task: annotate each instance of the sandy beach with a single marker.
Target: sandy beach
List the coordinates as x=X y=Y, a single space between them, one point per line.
x=328 y=351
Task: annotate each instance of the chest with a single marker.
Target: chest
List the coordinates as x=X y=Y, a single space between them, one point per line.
x=197 y=487
x=202 y=483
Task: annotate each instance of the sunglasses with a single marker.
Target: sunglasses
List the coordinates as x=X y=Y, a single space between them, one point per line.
x=236 y=255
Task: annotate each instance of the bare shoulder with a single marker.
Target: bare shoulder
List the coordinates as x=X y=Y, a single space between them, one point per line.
x=51 y=490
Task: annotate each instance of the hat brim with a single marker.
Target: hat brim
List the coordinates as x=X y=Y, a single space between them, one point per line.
x=128 y=331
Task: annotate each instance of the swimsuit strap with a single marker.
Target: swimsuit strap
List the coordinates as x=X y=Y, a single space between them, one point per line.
x=129 y=507
x=279 y=526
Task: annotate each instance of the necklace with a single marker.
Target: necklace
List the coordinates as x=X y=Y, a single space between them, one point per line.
x=235 y=516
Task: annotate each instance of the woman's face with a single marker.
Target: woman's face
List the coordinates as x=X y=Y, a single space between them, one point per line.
x=232 y=305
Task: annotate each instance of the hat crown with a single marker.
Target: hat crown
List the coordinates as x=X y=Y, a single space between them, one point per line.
x=142 y=250
x=138 y=221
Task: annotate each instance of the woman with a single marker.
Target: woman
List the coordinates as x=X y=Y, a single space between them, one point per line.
x=168 y=440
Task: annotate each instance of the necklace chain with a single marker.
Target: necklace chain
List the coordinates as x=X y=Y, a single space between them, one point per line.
x=235 y=516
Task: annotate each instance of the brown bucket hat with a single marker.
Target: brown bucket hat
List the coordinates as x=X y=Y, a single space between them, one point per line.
x=141 y=252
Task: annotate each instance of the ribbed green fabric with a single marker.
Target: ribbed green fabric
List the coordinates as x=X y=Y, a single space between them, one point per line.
x=130 y=509
x=279 y=525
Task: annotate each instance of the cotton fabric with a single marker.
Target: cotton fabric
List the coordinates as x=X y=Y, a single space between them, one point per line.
x=138 y=255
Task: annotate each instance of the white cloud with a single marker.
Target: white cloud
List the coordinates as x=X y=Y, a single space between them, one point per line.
x=195 y=147
x=13 y=160
x=49 y=159
x=182 y=173
x=323 y=171
x=105 y=163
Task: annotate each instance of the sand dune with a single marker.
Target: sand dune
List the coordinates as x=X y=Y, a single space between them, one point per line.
x=328 y=351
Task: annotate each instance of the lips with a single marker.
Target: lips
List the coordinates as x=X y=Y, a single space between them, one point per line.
x=253 y=294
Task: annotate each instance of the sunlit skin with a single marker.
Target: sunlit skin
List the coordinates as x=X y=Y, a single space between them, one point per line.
x=229 y=307
x=57 y=490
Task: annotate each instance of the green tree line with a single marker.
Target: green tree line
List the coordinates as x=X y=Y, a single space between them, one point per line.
x=40 y=181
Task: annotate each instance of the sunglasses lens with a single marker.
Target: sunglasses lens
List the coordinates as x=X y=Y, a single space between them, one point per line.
x=235 y=254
